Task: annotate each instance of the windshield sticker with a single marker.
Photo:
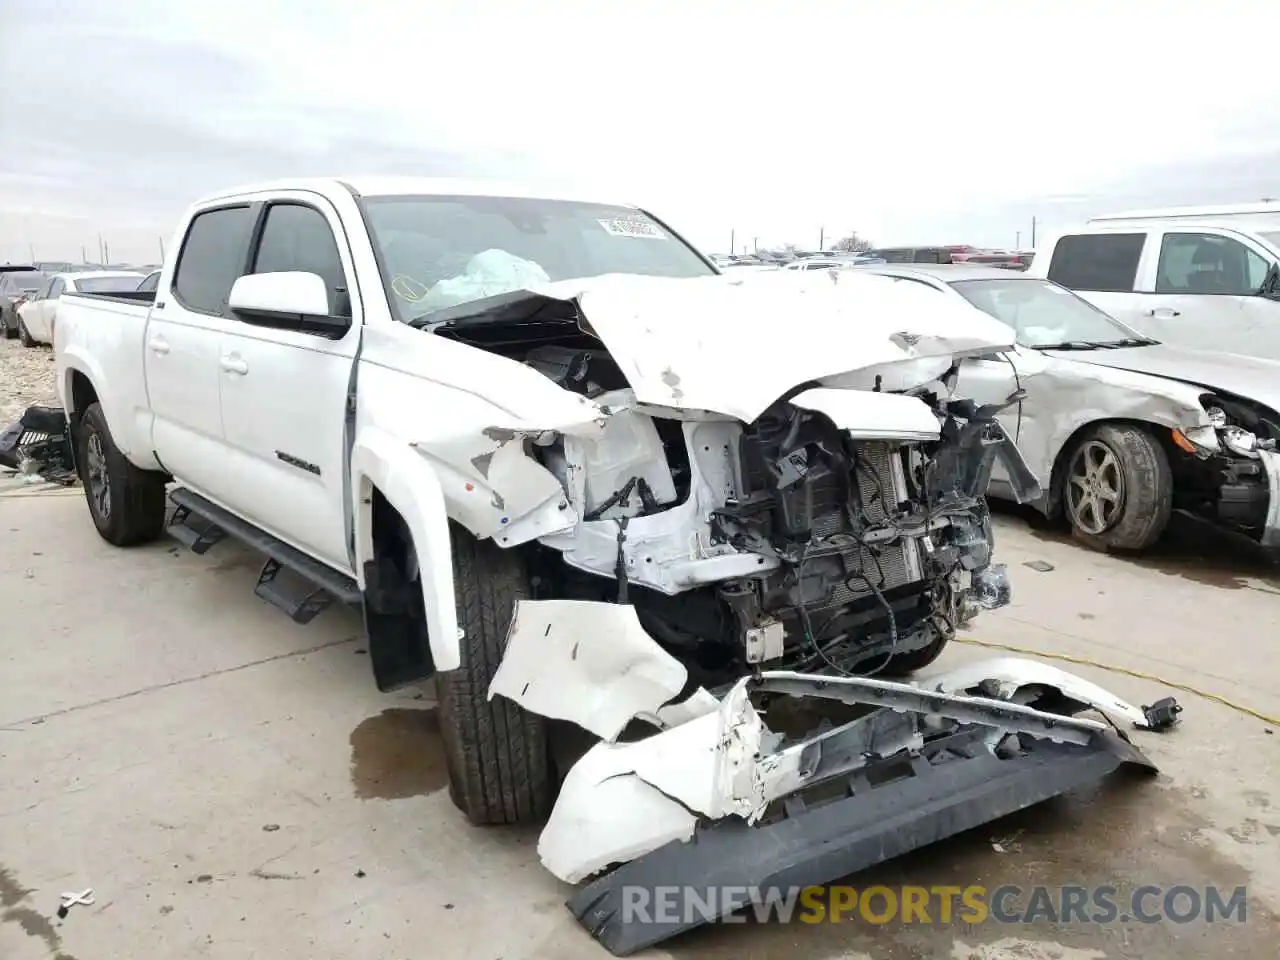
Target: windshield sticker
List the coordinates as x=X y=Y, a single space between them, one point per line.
x=632 y=227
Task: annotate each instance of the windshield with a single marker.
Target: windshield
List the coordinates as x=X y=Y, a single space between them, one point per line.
x=119 y=284
x=21 y=281
x=436 y=252
x=1042 y=313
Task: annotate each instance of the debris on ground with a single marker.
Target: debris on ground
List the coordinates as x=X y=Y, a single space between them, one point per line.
x=69 y=900
x=38 y=446
x=1040 y=566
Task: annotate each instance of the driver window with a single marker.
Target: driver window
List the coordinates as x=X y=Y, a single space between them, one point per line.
x=1202 y=263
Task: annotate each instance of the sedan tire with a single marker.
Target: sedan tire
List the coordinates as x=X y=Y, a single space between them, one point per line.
x=1117 y=489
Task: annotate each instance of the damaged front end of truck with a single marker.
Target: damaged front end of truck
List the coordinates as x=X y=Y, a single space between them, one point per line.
x=767 y=503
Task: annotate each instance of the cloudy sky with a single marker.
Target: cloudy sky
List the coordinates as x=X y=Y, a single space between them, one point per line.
x=931 y=121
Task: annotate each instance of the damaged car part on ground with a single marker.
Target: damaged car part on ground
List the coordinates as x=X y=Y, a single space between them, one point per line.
x=847 y=771
x=38 y=445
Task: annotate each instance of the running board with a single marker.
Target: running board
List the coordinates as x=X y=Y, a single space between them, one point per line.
x=955 y=784
x=199 y=523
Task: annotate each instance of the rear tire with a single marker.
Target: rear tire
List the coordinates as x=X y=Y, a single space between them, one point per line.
x=497 y=753
x=10 y=328
x=26 y=338
x=1117 y=488
x=126 y=504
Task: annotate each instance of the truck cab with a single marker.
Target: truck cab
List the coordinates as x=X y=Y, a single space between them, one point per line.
x=1201 y=277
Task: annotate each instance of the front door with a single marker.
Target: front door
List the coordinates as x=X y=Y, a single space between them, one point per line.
x=284 y=392
x=182 y=342
x=1206 y=294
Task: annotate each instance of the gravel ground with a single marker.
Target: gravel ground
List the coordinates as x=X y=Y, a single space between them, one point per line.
x=26 y=377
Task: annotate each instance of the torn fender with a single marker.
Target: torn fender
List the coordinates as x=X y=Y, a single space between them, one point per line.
x=589 y=663
x=410 y=486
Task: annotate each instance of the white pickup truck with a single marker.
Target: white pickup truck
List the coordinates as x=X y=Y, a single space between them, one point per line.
x=557 y=459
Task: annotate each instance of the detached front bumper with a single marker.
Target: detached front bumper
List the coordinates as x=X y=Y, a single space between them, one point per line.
x=720 y=799
x=953 y=785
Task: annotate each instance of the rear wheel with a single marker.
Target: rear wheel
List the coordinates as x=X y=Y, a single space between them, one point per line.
x=10 y=326
x=1118 y=488
x=127 y=504
x=497 y=753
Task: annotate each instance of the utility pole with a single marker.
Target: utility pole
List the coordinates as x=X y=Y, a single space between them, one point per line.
x=106 y=253
x=161 y=239
x=31 y=248
x=101 y=257
x=732 y=241
x=822 y=236
x=1017 y=243
x=755 y=244
x=1033 y=233
x=84 y=257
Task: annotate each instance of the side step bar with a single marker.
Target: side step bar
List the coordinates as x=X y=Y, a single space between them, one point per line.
x=198 y=524
x=953 y=785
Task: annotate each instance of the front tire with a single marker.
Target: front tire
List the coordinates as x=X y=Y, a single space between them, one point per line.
x=126 y=504
x=497 y=753
x=27 y=339
x=1117 y=488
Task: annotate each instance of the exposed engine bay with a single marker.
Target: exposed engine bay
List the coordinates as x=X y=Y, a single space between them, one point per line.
x=785 y=541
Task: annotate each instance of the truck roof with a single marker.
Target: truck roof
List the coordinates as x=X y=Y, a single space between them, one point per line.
x=1263 y=207
x=381 y=186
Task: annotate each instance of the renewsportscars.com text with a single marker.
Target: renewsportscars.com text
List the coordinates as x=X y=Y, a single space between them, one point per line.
x=1182 y=903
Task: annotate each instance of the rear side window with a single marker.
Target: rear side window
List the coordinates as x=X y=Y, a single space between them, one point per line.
x=1103 y=262
x=212 y=257
x=297 y=237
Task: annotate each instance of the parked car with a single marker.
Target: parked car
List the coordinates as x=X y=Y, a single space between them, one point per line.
x=553 y=456
x=17 y=285
x=832 y=262
x=1201 y=277
x=37 y=315
x=1120 y=428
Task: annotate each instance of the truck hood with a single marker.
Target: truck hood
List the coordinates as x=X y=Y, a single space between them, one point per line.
x=1251 y=378
x=713 y=344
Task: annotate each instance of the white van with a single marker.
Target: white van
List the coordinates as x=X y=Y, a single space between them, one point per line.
x=1198 y=276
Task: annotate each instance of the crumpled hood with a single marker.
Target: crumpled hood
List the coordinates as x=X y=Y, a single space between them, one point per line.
x=1249 y=377
x=711 y=343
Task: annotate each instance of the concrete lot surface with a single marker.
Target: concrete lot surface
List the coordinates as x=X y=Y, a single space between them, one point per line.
x=232 y=785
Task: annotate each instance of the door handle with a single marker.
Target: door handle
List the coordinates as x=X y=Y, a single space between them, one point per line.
x=233 y=364
x=158 y=345
x=1164 y=313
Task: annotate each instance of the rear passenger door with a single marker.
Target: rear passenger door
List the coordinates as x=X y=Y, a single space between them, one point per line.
x=182 y=347
x=1104 y=268
x=284 y=391
x=1205 y=285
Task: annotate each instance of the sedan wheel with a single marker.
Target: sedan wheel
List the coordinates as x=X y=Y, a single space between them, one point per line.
x=1117 y=487
x=1095 y=488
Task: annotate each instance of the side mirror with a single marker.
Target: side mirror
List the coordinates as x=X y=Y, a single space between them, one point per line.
x=289 y=300
x=1271 y=283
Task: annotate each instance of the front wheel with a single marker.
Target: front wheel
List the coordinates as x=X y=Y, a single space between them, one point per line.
x=497 y=753
x=1118 y=488
x=25 y=335
x=126 y=504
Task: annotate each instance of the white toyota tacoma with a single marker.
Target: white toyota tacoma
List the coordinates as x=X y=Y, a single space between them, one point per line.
x=558 y=460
